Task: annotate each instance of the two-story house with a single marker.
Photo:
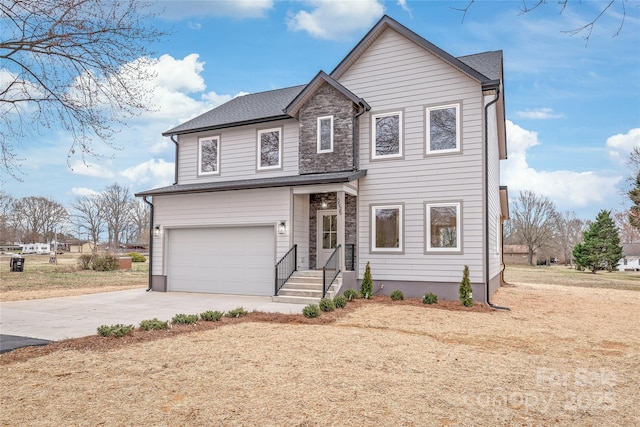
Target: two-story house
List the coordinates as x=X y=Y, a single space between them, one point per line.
x=392 y=159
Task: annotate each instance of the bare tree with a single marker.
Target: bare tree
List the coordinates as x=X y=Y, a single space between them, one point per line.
x=569 y=233
x=77 y=63
x=628 y=231
x=7 y=229
x=534 y=223
x=139 y=221
x=116 y=202
x=38 y=218
x=89 y=218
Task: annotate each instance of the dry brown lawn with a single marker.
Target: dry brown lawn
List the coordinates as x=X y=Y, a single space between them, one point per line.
x=563 y=355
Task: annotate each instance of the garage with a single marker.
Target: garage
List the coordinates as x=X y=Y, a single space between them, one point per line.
x=225 y=260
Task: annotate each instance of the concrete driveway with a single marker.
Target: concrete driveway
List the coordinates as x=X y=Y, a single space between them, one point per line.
x=55 y=319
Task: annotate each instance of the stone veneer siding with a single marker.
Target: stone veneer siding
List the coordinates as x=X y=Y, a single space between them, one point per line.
x=351 y=221
x=326 y=101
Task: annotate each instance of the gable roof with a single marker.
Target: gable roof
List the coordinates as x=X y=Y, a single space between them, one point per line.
x=242 y=110
x=487 y=63
x=294 y=107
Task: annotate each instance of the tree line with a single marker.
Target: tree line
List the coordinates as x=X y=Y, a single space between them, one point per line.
x=114 y=213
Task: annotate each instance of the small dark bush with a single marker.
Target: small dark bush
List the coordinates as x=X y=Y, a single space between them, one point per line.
x=397 y=295
x=107 y=262
x=340 y=301
x=118 y=330
x=430 y=298
x=185 y=319
x=350 y=294
x=311 y=311
x=84 y=261
x=327 y=304
x=154 y=324
x=136 y=257
x=211 y=316
x=236 y=312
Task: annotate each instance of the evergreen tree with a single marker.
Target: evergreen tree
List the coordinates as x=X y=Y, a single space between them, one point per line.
x=634 y=212
x=466 y=296
x=366 y=288
x=601 y=245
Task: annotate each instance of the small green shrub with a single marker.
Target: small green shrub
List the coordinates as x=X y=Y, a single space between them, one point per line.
x=136 y=257
x=430 y=298
x=397 y=295
x=466 y=296
x=350 y=294
x=84 y=261
x=236 y=312
x=185 y=319
x=311 y=311
x=340 y=301
x=154 y=324
x=366 y=287
x=117 y=331
x=107 y=262
x=211 y=316
x=327 y=304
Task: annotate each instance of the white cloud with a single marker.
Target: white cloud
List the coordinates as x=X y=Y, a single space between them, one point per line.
x=336 y=20
x=403 y=5
x=83 y=191
x=621 y=145
x=86 y=168
x=158 y=172
x=567 y=189
x=539 y=114
x=177 y=10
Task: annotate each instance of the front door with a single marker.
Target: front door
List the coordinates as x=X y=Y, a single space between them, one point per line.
x=327 y=235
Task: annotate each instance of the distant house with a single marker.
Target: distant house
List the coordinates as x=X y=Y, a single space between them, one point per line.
x=518 y=254
x=81 y=247
x=631 y=260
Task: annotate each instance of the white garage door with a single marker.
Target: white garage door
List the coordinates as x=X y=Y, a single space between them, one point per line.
x=233 y=260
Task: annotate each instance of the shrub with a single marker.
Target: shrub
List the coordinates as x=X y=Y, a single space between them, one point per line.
x=136 y=257
x=350 y=294
x=430 y=298
x=107 y=262
x=84 y=261
x=327 y=304
x=366 y=287
x=466 y=296
x=118 y=330
x=340 y=301
x=311 y=311
x=211 y=316
x=154 y=324
x=185 y=319
x=236 y=312
x=397 y=295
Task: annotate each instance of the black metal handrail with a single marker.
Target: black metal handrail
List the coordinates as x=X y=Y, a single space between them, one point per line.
x=349 y=257
x=285 y=267
x=333 y=263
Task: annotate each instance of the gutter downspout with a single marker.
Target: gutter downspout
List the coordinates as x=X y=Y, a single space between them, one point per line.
x=175 y=173
x=364 y=108
x=486 y=207
x=150 y=240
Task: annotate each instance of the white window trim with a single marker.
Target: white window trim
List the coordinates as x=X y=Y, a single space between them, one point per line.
x=428 y=246
x=318 y=136
x=428 y=129
x=400 y=248
x=259 y=149
x=200 y=141
x=400 y=136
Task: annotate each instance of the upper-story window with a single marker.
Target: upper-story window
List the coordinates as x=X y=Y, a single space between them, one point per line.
x=209 y=155
x=325 y=134
x=269 y=148
x=386 y=135
x=443 y=129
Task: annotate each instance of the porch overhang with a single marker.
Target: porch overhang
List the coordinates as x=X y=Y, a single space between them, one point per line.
x=324 y=181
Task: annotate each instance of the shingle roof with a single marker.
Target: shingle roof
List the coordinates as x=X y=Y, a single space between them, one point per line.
x=487 y=63
x=247 y=109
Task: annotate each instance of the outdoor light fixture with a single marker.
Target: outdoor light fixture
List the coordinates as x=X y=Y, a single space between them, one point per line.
x=156 y=231
x=324 y=203
x=282 y=227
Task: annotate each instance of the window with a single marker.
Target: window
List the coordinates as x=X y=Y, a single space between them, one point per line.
x=325 y=134
x=443 y=129
x=387 y=135
x=386 y=228
x=443 y=227
x=209 y=155
x=269 y=149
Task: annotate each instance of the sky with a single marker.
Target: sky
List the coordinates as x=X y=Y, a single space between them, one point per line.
x=573 y=105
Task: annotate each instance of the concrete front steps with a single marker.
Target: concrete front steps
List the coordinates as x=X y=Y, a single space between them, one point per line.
x=305 y=287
